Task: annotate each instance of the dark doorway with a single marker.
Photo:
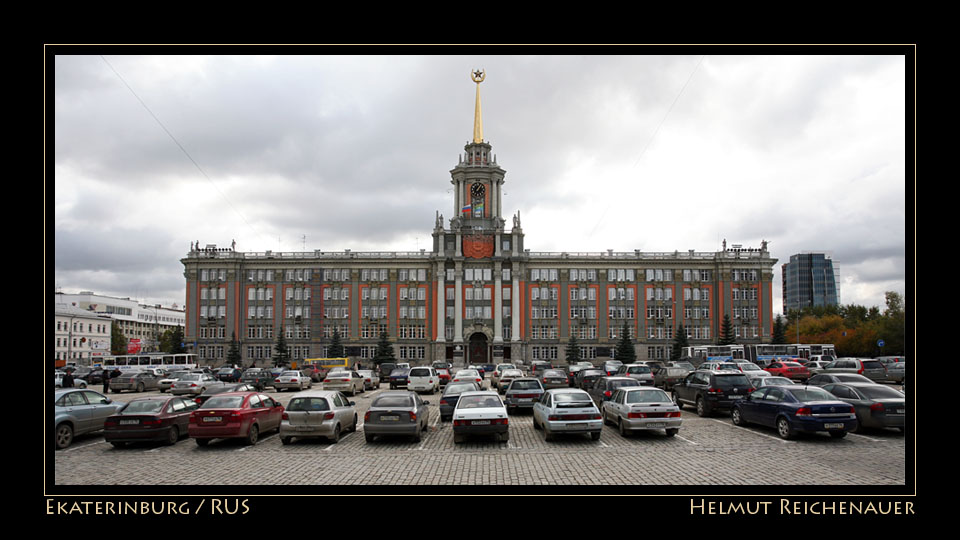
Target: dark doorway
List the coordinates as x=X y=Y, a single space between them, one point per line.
x=478 y=349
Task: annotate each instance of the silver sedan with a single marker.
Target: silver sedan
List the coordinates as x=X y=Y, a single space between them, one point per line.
x=398 y=412
x=318 y=413
x=567 y=410
x=633 y=408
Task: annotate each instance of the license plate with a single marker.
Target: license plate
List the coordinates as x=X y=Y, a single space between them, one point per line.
x=577 y=426
x=735 y=397
x=657 y=425
x=129 y=422
x=304 y=428
x=525 y=400
x=212 y=418
x=833 y=426
x=390 y=418
x=900 y=411
x=480 y=423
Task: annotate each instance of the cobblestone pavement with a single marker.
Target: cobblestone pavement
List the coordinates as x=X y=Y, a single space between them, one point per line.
x=707 y=451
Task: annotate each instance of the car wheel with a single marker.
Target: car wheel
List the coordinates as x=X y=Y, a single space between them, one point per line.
x=64 y=435
x=139 y=387
x=784 y=429
x=173 y=435
x=353 y=428
x=505 y=436
x=118 y=444
x=457 y=439
x=672 y=431
x=702 y=409
x=547 y=436
x=737 y=417
x=676 y=401
x=535 y=424
x=595 y=436
x=202 y=442
x=368 y=437
x=82 y=385
x=285 y=440
x=336 y=435
x=624 y=432
x=253 y=435
x=838 y=434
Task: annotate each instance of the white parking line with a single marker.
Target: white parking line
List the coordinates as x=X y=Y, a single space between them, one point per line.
x=751 y=431
x=75 y=447
x=688 y=440
x=864 y=437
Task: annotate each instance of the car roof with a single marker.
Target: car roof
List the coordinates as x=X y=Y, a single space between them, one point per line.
x=480 y=393
x=315 y=393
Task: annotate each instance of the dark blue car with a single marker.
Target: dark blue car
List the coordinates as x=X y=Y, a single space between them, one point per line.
x=796 y=409
x=399 y=378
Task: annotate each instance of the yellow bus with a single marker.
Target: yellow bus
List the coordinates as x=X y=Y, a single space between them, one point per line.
x=326 y=363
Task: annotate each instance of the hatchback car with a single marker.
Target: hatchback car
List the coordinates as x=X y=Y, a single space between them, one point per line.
x=243 y=415
x=637 y=408
x=790 y=370
x=343 y=380
x=587 y=377
x=150 y=419
x=318 y=413
x=399 y=377
x=480 y=413
x=371 y=379
x=668 y=376
x=897 y=372
x=423 y=379
x=194 y=383
x=871 y=369
x=507 y=375
x=712 y=390
x=605 y=387
x=794 y=409
x=876 y=405
x=451 y=394
x=396 y=412
x=78 y=411
x=229 y=374
x=640 y=372
x=293 y=380
x=167 y=382
x=137 y=381
x=554 y=378
x=260 y=378
x=522 y=393
x=567 y=411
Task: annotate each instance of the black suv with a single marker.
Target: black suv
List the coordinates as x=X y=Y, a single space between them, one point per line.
x=711 y=390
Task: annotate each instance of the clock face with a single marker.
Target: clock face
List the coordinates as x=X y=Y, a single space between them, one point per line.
x=477 y=190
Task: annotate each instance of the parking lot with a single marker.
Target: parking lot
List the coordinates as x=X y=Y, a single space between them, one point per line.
x=707 y=451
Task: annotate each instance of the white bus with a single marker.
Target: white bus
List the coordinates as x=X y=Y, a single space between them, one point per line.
x=137 y=362
x=713 y=353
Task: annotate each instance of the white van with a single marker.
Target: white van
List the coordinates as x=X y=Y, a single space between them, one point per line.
x=423 y=379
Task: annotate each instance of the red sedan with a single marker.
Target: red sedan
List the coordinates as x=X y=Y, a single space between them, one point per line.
x=231 y=415
x=791 y=370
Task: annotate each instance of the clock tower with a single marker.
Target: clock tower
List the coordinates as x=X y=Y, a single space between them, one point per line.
x=474 y=250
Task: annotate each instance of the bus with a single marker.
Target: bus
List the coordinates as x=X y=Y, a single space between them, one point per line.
x=326 y=363
x=137 y=362
x=699 y=354
x=764 y=353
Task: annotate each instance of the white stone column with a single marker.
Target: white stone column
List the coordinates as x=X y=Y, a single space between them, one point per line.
x=497 y=303
x=516 y=308
x=458 y=307
x=441 y=305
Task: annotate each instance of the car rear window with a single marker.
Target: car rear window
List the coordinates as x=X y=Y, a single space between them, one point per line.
x=879 y=392
x=290 y=374
x=223 y=402
x=146 y=406
x=613 y=385
x=812 y=394
x=729 y=381
x=479 y=402
x=525 y=385
x=308 y=404
x=567 y=399
x=648 y=396
x=639 y=369
x=392 y=401
x=420 y=372
x=872 y=364
x=459 y=388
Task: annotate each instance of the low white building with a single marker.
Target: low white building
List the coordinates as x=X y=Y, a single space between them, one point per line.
x=141 y=324
x=81 y=336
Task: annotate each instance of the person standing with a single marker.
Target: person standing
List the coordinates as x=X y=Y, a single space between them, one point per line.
x=106 y=381
x=67 y=381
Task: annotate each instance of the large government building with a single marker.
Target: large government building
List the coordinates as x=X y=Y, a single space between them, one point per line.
x=479 y=295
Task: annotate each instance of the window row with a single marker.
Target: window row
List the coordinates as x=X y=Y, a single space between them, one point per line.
x=219 y=293
x=745 y=294
x=64 y=326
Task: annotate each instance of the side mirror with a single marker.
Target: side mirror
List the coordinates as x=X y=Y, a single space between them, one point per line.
x=426 y=402
x=352 y=403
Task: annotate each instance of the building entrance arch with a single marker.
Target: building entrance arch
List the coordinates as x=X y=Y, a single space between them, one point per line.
x=478 y=350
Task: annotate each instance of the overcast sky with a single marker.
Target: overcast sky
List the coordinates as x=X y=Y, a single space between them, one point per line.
x=658 y=153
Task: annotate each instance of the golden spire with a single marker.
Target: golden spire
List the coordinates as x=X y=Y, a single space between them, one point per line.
x=478 y=76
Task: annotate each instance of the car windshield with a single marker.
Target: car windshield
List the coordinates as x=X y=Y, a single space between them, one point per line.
x=145 y=406
x=479 y=402
x=393 y=401
x=729 y=381
x=812 y=394
x=459 y=388
x=879 y=392
x=525 y=385
x=650 y=395
x=308 y=404
x=223 y=402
